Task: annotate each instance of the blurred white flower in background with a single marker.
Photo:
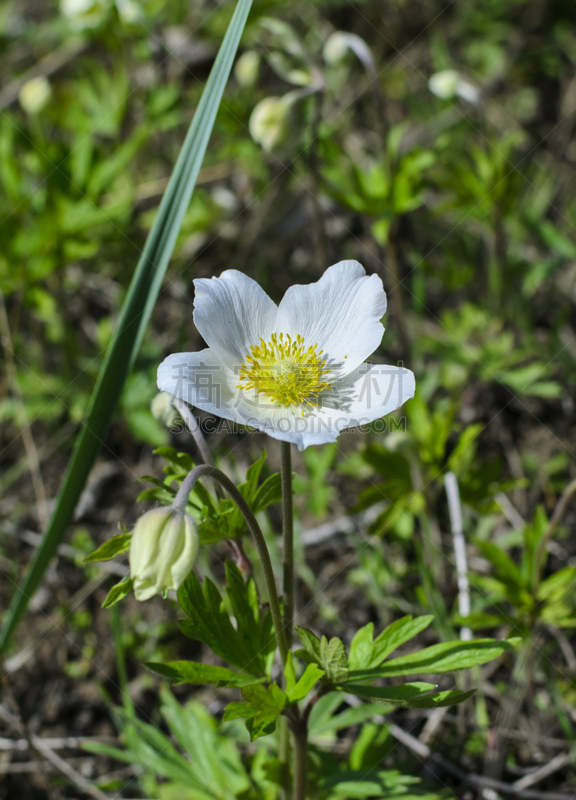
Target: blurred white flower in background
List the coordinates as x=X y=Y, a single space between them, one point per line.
x=129 y=10
x=35 y=94
x=246 y=69
x=268 y=123
x=340 y=43
x=90 y=13
x=449 y=83
x=163 y=410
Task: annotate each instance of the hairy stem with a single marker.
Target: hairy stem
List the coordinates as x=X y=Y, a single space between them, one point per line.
x=288 y=537
x=194 y=429
x=180 y=501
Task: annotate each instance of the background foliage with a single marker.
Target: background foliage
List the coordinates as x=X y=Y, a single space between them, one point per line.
x=466 y=210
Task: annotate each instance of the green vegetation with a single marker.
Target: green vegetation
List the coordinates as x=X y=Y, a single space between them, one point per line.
x=314 y=136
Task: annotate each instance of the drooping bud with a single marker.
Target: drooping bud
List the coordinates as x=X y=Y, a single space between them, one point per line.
x=163 y=410
x=35 y=94
x=162 y=551
x=450 y=83
x=246 y=69
x=268 y=123
x=83 y=14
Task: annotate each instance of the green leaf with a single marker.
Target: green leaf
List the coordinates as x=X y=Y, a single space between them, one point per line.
x=324 y=722
x=214 y=756
x=259 y=634
x=395 y=695
x=238 y=711
x=297 y=690
x=209 y=622
x=557 y=585
x=113 y=547
x=362 y=648
x=444 y=657
x=118 y=592
x=269 y=493
x=194 y=672
x=397 y=634
x=413 y=695
x=506 y=569
x=440 y=699
x=329 y=655
x=262 y=707
x=133 y=319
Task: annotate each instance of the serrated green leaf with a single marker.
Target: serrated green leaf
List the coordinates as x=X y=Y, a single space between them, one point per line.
x=252 y=626
x=329 y=655
x=310 y=641
x=115 y=546
x=311 y=675
x=208 y=622
x=118 y=592
x=268 y=703
x=194 y=672
x=181 y=463
x=440 y=658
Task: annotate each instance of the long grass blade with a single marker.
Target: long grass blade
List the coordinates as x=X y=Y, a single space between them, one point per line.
x=134 y=317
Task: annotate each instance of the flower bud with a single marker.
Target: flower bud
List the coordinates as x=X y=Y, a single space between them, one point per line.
x=84 y=14
x=162 y=551
x=449 y=83
x=246 y=69
x=35 y=94
x=336 y=47
x=269 y=121
x=163 y=410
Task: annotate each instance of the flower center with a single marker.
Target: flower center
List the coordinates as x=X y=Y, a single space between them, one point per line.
x=285 y=370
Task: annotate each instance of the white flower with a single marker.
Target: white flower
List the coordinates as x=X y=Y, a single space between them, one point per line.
x=449 y=83
x=295 y=371
x=162 y=551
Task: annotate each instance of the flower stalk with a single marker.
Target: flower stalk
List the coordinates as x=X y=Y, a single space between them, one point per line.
x=288 y=539
x=180 y=501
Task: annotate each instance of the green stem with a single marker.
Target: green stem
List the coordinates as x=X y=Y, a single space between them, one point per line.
x=194 y=429
x=300 y=740
x=180 y=502
x=284 y=755
x=288 y=537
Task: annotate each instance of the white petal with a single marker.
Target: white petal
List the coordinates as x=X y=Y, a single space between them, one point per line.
x=371 y=392
x=201 y=380
x=341 y=313
x=319 y=425
x=232 y=312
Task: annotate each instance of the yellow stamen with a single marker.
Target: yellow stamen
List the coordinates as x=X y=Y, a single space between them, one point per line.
x=285 y=370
